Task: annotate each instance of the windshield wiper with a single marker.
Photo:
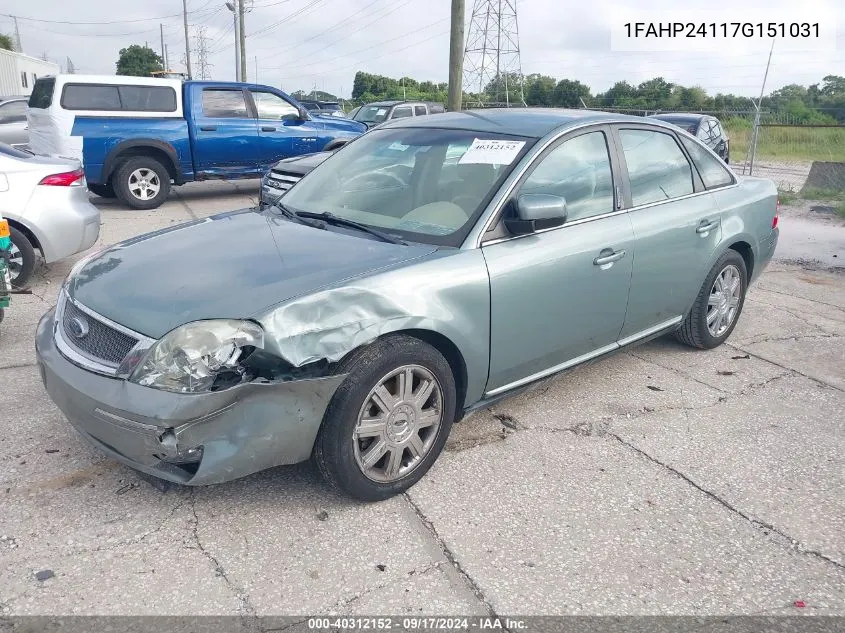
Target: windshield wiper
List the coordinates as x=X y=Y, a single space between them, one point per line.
x=333 y=219
x=296 y=217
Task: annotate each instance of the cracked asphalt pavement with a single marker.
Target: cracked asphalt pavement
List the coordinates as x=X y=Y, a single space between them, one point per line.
x=661 y=480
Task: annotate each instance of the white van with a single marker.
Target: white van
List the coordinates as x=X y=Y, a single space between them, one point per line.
x=57 y=100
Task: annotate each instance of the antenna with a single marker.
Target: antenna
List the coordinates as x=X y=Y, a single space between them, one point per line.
x=492 y=65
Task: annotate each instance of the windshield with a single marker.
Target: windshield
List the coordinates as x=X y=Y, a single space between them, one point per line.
x=372 y=114
x=425 y=184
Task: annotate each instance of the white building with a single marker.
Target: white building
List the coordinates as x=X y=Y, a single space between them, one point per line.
x=18 y=72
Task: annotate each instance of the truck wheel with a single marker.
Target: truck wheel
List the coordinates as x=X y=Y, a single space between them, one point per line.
x=388 y=420
x=21 y=258
x=104 y=191
x=142 y=183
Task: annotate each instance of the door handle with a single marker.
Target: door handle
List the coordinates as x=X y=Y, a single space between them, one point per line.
x=208 y=128
x=267 y=128
x=603 y=260
x=706 y=226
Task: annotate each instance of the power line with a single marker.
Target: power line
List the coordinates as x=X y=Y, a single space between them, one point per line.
x=368 y=48
x=308 y=7
x=161 y=17
x=343 y=22
x=370 y=58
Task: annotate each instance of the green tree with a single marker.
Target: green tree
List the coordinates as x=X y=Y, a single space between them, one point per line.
x=655 y=93
x=568 y=93
x=6 y=42
x=540 y=90
x=138 y=61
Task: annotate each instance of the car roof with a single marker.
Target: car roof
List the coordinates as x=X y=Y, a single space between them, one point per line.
x=680 y=116
x=529 y=122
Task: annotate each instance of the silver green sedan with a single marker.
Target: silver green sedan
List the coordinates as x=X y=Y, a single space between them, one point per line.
x=424 y=270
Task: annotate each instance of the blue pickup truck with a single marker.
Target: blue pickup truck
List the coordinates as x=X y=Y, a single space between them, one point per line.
x=137 y=136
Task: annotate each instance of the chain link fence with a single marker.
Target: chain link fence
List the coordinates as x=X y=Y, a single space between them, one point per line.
x=804 y=159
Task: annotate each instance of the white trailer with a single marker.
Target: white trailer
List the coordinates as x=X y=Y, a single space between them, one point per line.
x=18 y=72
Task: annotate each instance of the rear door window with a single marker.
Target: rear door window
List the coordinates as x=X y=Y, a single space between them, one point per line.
x=90 y=97
x=712 y=170
x=42 y=93
x=420 y=110
x=224 y=104
x=657 y=168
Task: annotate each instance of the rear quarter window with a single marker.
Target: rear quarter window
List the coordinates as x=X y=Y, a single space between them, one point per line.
x=42 y=93
x=119 y=98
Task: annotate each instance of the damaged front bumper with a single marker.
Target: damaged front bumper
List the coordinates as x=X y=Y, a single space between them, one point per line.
x=192 y=439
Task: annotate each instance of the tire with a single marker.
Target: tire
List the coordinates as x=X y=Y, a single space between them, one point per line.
x=695 y=331
x=22 y=261
x=133 y=174
x=103 y=191
x=338 y=450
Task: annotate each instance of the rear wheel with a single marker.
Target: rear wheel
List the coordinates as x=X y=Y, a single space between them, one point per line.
x=21 y=258
x=388 y=421
x=104 y=191
x=718 y=305
x=142 y=183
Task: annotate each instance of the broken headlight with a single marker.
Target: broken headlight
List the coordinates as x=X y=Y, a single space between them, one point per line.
x=190 y=358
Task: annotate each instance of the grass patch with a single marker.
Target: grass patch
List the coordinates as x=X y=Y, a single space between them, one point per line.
x=787 y=143
x=823 y=194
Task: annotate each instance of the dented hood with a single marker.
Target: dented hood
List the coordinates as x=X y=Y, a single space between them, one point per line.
x=233 y=265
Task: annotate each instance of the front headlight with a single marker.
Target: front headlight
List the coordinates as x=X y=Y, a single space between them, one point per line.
x=190 y=358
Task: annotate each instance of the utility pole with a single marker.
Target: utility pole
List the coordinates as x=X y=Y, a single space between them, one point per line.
x=233 y=7
x=456 y=52
x=187 y=38
x=163 y=52
x=166 y=57
x=18 y=44
x=242 y=38
x=255 y=79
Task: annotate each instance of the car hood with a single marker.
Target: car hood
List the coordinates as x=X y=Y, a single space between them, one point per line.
x=339 y=123
x=302 y=164
x=233 y=265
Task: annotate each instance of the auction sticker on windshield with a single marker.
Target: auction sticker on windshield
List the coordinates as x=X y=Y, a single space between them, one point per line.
x=491 y=152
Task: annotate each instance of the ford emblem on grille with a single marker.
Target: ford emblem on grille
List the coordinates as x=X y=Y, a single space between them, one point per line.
x=78 y=327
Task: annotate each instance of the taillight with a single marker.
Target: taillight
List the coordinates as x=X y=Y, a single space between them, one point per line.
x=777 y=213
x=66 y=179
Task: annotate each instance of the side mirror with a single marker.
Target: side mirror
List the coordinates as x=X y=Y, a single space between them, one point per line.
x=535 y=212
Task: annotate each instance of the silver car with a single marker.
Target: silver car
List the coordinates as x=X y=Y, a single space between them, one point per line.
x=45 y=200
x=13 y=126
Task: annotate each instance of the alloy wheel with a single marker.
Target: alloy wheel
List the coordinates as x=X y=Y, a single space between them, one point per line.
x=723 y=303
x=398 y=423
x=144 y=184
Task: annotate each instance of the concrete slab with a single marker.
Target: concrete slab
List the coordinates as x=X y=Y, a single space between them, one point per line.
x=294 y=546
x=777 y=455
x=557 y=523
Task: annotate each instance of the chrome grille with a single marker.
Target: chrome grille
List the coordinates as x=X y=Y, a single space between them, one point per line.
x=98 y=340
x=282 y=181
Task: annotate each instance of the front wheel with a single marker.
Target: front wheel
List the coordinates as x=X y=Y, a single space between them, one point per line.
x=718 y=305
x=142 y=183
x=388 y=421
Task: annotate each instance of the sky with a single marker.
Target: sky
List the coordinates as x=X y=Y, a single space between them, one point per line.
x=303 y=44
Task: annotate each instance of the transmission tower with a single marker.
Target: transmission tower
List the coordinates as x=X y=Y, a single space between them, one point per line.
x=492 y=69
x=201 y=48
